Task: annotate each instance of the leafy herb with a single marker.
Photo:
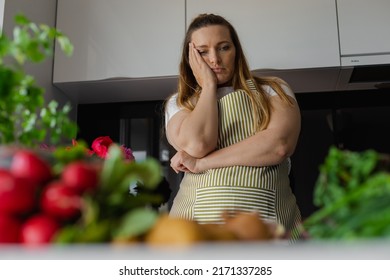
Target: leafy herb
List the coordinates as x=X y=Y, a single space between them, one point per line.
x=353 y=196
x=112 y=212
x=24 y=117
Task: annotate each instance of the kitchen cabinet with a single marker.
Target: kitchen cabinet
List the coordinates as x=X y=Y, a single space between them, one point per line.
x=119 y=39
x=2 y=2
x=129 y=50
x=280 y=34
x=364 y=28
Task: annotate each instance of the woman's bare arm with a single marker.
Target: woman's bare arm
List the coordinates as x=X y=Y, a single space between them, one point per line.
x=267 y=147
x=196 y=132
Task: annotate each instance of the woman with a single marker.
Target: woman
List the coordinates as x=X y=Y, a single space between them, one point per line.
x=233 y=132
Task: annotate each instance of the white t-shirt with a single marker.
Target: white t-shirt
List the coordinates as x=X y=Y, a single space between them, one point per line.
x=172 y=108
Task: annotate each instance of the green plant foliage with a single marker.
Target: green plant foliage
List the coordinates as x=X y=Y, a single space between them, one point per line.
x=353 y=196
x=24 y=117
x=113 y=212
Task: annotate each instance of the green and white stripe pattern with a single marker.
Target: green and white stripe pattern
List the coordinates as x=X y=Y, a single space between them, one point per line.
x=204 y=197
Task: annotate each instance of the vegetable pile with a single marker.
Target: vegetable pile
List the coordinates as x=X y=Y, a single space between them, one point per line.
x=353 y=196
x=67 y=197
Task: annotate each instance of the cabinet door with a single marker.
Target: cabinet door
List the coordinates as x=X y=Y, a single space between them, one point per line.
x=2 y=2
x=364 y=31
x=280 y=34
x=120 y=38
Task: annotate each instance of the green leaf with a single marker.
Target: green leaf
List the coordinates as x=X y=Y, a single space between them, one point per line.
x=68 y=234
x=354 y=196
x=149 y=172
x=91 y=210
x=66 y=154
x=136 y=222
x=21 y=19
x=19 y=92
x=92 y=233
x=65 y=44
x=113 y=169
x=96 y=232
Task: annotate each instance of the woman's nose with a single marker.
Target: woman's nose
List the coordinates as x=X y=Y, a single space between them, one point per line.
x=214 y=57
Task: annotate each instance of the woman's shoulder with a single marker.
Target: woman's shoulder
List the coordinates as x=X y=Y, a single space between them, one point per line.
x=270 y=90
x=171 y=107
x=171 y=103
x=171 y=98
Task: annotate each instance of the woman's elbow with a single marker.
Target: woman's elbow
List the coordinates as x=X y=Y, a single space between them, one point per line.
x=198 y=149
x=194 y=147
x=283 y=151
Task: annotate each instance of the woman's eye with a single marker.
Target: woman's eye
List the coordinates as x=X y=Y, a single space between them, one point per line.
x=202 y=52
x=224 y=48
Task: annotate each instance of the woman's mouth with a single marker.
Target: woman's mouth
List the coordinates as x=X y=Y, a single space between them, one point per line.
x=217 y=70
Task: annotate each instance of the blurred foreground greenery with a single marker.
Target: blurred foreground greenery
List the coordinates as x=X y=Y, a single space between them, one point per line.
x=25 y=119
x=113 y=212
x=353 y=196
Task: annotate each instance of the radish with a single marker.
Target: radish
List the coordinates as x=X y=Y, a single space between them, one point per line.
x=29 y=165
x=9 y=229
x=80 y=176
x=39 y=229
x=61 y=201
x=17 y=195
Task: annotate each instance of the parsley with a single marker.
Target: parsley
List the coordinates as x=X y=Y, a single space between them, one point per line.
x=25 y=119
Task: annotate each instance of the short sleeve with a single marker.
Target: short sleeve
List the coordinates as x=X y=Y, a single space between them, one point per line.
x=171 y=108
x=271 y=92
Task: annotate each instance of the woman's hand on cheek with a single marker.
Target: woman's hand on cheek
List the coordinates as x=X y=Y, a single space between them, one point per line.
x=202 y=72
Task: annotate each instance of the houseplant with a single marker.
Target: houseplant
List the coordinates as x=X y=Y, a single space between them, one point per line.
x=24 y=117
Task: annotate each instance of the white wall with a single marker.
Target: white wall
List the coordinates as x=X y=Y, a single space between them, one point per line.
x=39 y=11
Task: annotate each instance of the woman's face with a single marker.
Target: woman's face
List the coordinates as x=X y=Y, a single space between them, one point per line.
x=217 y=49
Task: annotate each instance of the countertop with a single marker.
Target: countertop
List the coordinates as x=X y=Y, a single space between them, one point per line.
x=279 y=250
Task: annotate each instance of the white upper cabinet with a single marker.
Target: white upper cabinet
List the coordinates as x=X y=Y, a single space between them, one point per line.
x=119 y=39
x=364 y=28
x=129 y=50
x=280 y=34
x=2 y=2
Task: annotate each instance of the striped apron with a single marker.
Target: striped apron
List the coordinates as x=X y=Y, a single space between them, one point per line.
x=205 y=196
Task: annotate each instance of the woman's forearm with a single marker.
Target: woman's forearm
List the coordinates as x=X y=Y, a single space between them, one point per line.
x=196 y=132
x=252 y=151
x=267 y=147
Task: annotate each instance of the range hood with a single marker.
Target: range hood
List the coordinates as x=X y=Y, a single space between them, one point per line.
x=344 y=78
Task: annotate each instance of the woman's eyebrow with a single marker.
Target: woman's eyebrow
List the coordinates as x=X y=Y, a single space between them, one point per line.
x=201 y=46
x=219 y=43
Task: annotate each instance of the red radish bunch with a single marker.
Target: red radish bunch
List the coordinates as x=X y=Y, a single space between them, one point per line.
x=35 y=202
